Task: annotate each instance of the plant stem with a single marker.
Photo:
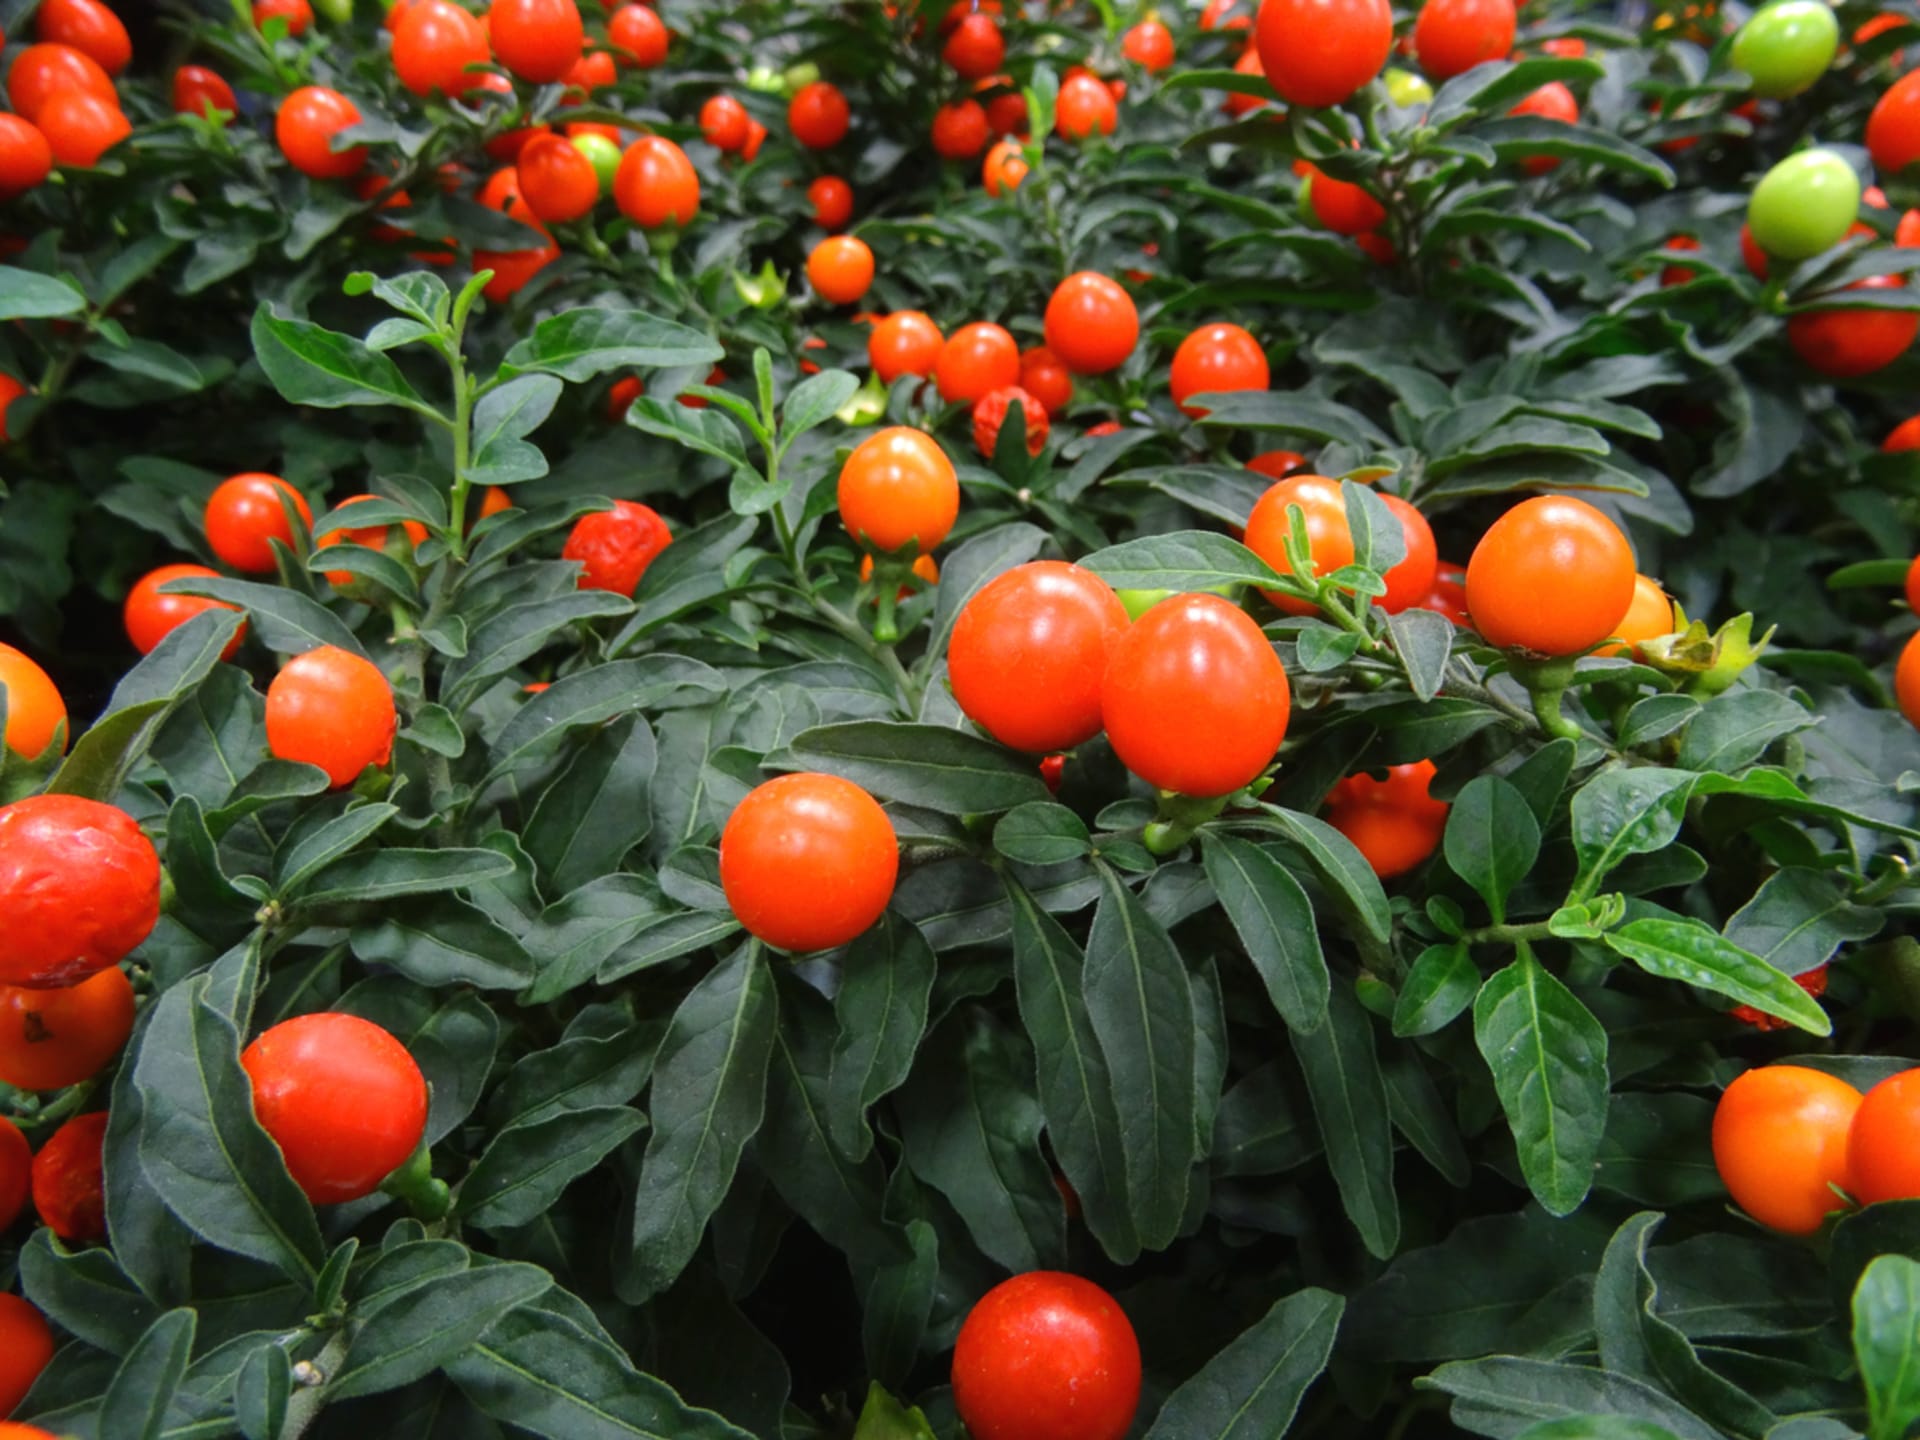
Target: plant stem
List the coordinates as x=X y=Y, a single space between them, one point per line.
x=1509 y=934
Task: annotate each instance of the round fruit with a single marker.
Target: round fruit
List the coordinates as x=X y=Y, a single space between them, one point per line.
x=1453 y=36
x=808 y=862
x=1883 y=1144
x=434 y=46
x=26 y=1343
x=616 y=546
x=1329 y=540
x=512 y=269
x=538 y=40
x=904 y=343
x=976 y=47
x=36 y=716
x=1780 y=1142
x=79 y=889
x=50 y=1039
x=1648 y=617
x=1046 y=379
x=832 y=201
x=1449 y=595
x=638 y=36
x=657 y=184
x=1906 y=681
x=960 y=129
x=69 y=1186
x=1277 y=464
x=334 y=709
x=1751 y=253
x=244 y=515
x=1344 y=208
x=1004 y=168
x=724 y=121
x=1913 y=585
x=41 y=72
x=1804 y=205
x=200 y=91
x=898 y=488
x=1091 y=323
x=840 y=269
x=151 y=615
x=1195 y=700
x=1084 y=107
x=80 y=128
x=557 y=180
x=990 y=413
x=1787 y=46
x=1394 y=823
x=373 y=537
x=1046 y=1356
x=1216 y=359
x=1318 y=52
x=1411 y=581
x=342 y=1099
x=1893 y=129
x=89 y=27
x=1029 y=654
x=1148 y=44
x=1552 y=576
x=16 y=1183
x=297 y=13
x=818 y=115
x=602 y=153
x=305 y=125
x=1848 y=343
x=1552 y=101
x=976 y=359
x=25 y=160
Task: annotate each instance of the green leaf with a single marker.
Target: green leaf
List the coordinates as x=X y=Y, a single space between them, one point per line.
x=421 y=1330
x=1688 y=951
x=1141 y=1009
x=886 y=981
x=445 y=942
x=501 y=421
x=1184 y=560
x=814 y=401
x=27 y=295
x=577 y=345
x=381 y=875
x=1548 y=1055
x=1274 y=919
x=1492 y=840
x=84 y=1292
x=931 y=766
x=140 y=1397
x=1350 y=1104
x=283 y=620
x=1251 y=1390
x=1041 y=833
x=1798 y=918
x=1886 y=1339
x=1342 y=868
x=1442 y=983
x=1296 y=413
x=311 y=365
x=1623 y=812
x=1731 y=731
x=596 y=810
x=689 y=573
x=1423 y=639
x=1518 y=137
x=709 y=1094
x=515 y=634
x=596 y=695
x=1503 y=1394
x=526 y=1167
x=1379 y=543
x=885 y=1418
x=1656 y=717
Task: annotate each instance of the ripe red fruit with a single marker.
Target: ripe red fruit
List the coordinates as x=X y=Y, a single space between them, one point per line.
x=26 y=1340
x=1780 y=1144
x=1751 y=252
x=976 y=359
x=1552 y=101
x=960 y=129
x=1411 y=581
x=1195 y=700
x=1883 y=1148
x=1215 y=359
x=1394 y=823
x=16 y=1182
x=342 y=1099
x=1091 y=323
x=25 y=160
x=434 y=46
x=1046 y=379
x=1913 y=585
x=538 y=40
x=93 y=30
x=512 y=269
x=41 y=72
x=1004 y=168
x=557 y=180
x=904 y=343
x=1046 y=1356
x=297 y=13
x=990 y=413
x=69 y=1186
x=1029 y=654
x=1344 y=208
x=79 y=889
x=305 y=125
x=638 y=36
x=616 y=546
x=840 y=269
x=832 y=201
x=1893 y=129
x=819 y=116
x=1906 y=681
x=80 y=128
x=898 y=488
x=1552 y=576
x=1318 y=52
x=200 y=91
x=1084 y=106
x=1323 y=508
x=244 y=514
x=976 y=47
x=1453 y=36
x=593 y=71
x=334 y=709
x=1278 y=464
x=1148 y=44
x=808 y=862
x=373 y=537
x=36 y=715
x=151 y=616
x=657 y=185
x=724 y=121
x=1848 y=343
x=50 y=1039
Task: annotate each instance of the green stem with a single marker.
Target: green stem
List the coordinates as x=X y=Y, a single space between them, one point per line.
x=1177 y=819
x=1509 y=934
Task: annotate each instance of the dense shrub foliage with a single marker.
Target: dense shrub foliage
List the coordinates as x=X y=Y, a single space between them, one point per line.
x=1344 y=982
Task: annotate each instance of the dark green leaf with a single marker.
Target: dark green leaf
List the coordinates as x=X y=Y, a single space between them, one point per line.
x=418 y=1332
x=527 y=1166
x=1184 y=560
x=1492 y=839
x=577 y=345
x=1252 y=1389
x=925 y=765
x=141 y=1395
x=311 y=365
x=1350 y=1103
x=886 y=980
x=1274 y=920
x=1688 y=951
